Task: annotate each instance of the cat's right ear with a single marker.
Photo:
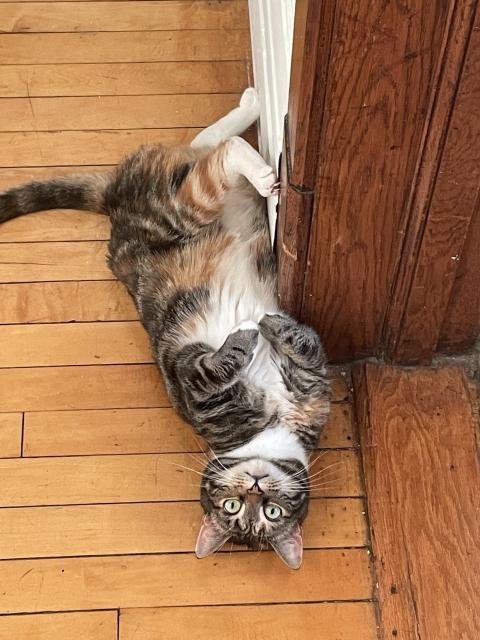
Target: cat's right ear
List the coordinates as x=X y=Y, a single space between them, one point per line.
x=210 y=538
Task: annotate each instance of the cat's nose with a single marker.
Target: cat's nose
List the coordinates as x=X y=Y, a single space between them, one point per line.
x=256 y=477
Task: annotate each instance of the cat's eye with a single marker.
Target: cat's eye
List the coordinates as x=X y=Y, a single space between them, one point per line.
x=272 y=511
x=232 y=506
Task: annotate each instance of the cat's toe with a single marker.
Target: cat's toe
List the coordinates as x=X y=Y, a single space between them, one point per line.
x=250 y=100
x=265 y=181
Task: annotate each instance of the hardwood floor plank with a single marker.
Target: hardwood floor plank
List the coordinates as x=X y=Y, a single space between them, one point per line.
x=13 y=176
x=147 y=46
x=56 y=225
x=65 y=302
x=139 y=478
x=11 y=435
x=114 y=112
x=44 y=17
x=166 y=580
x=59 y=433
x=43 y=262
x=152 y=528
x=46 y=345
x=90 y=387
x=141 y=78
x=325 y=621
x=85 y=625
x=418 y=431
x=103 y=147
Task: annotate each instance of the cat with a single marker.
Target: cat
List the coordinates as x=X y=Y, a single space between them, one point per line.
x=190 y=241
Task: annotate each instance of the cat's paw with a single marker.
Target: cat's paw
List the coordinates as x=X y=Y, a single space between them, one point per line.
x=265 y=181
x=250 y=101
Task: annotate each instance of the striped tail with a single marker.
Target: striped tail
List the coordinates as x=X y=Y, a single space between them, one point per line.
x=81 y=191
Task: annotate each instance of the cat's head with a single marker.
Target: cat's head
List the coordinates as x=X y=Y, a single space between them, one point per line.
x=256 y=502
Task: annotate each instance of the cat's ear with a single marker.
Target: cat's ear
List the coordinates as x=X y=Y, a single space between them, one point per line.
x=290 y=549
x=210 y=538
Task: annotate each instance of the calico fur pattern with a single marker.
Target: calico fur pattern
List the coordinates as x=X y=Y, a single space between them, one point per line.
x=190 y=242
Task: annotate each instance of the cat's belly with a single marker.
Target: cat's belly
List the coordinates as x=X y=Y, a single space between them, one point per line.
x=236 y=294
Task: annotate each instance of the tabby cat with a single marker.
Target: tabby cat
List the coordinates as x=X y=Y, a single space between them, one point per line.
x=190 y=242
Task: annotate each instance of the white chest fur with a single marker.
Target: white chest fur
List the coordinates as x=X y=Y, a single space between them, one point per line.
x=275 y=443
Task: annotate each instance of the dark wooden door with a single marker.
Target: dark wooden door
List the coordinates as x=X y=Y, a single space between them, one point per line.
x=379 y=229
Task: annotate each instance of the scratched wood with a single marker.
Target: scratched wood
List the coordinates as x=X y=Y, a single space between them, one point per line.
x=418 y=432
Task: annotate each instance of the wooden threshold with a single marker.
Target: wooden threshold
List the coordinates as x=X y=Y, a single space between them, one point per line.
x=418 y=431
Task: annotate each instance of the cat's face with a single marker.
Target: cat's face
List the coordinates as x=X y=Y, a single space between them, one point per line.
x=256 y=502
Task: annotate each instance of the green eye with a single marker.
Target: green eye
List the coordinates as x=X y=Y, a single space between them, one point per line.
x=232 y=506
x=272 y=512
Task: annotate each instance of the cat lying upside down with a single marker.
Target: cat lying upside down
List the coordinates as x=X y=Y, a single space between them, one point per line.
x=190 y=242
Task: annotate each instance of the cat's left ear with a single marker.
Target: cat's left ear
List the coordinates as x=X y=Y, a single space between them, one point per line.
x=210 y=538
x=290 y=550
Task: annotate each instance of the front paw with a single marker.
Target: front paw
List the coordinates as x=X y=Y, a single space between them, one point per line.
x=241 y=343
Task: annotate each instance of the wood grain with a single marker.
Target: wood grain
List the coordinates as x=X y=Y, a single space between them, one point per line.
x=91 y=387
x=443 y=201
x=65 y=302
x=147 y=46
x=461 y=322
x=10 y=435
x=40 y=262
x=114 y=112
x=141 y=478
x=108 y=146
x=87 y=625
x=59 y=433
x=180 y=580
x=13 y=176
x=141 y=78
x=44 y=17
x=46 y=345
x=152 y=528
x=56 y=225
x=418 y=433
x=382 y=69
x=345 y=621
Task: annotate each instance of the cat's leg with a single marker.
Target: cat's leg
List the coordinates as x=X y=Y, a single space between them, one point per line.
x=302 y=365
x=300 y=343
x=205 y=184
x=232 y=124
x=206 y=371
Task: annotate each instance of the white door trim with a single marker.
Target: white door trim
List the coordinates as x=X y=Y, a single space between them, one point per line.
x=271 y=28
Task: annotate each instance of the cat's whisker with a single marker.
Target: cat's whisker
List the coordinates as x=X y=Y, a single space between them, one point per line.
x=320 y=455
x=181 y=466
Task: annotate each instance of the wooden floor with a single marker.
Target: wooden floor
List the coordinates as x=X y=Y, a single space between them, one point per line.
x=97 y=521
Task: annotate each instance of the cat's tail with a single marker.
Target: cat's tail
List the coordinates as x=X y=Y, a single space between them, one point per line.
x=85 y=191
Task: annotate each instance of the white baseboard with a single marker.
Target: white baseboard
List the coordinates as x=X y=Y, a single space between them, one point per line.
x=271 y=27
